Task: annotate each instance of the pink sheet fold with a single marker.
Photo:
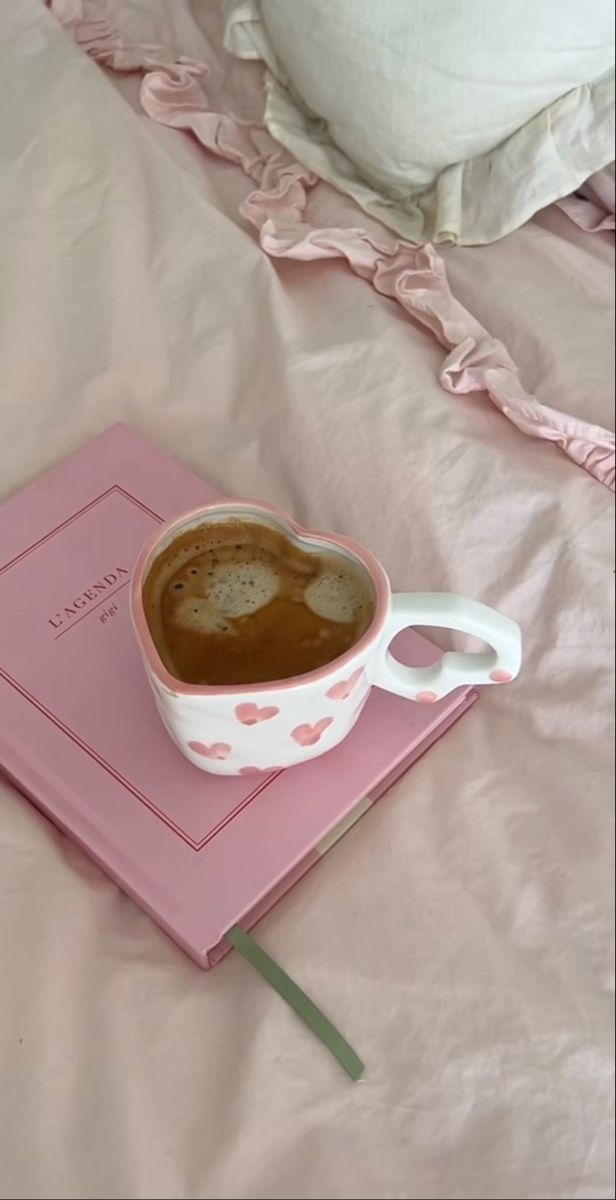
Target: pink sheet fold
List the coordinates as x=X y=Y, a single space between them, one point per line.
x=592 y=208
x=172 y=94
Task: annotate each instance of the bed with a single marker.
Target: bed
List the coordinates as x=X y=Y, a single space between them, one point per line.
x=139 y=282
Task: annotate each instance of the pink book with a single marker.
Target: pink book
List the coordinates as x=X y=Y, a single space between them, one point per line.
x=79 y=733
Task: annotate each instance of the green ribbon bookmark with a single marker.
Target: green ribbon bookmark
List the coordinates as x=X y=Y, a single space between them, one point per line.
x=298 y=1000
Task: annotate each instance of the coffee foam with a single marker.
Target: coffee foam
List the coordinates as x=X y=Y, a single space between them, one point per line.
x=337 y=594
x=213 y=597
x=216 y=581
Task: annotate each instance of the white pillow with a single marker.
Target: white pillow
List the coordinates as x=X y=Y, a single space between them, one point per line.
x=448 y=120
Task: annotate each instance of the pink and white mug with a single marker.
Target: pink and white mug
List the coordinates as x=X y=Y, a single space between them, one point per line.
x=249 y=729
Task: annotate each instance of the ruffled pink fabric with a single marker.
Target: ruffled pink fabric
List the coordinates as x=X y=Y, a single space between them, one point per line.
x=88 y=23
x=172 y=94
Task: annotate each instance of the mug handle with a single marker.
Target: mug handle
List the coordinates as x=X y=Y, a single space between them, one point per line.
x=444 y=610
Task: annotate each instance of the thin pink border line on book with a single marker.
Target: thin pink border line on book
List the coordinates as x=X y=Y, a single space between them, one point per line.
x=80 y=512
x=74 y=737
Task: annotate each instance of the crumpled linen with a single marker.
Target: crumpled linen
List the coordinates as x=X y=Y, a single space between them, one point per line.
x=172 y=93
x=592 y=206
x=461 y=934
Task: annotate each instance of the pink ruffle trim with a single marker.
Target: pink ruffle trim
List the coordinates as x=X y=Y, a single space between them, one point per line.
x=172 y=94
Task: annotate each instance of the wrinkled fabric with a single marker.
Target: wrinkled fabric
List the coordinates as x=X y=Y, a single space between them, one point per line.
x=461 y=935
x=415 y=277
x=592 y=207
x=449 y=123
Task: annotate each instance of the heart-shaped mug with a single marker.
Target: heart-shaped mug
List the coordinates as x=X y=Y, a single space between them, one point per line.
x=243 y=729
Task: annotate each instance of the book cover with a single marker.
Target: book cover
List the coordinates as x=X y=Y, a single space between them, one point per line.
x=80 y=736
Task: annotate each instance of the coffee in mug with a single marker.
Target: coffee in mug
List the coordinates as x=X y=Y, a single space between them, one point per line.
x=238 y=601
x=262 y=640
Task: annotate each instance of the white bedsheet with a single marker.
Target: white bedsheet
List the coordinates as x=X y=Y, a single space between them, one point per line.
x=462 y=934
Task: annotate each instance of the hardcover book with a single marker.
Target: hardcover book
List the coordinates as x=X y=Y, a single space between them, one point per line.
x=80 y=735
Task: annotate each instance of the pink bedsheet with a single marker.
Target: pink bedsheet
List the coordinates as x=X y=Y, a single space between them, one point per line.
x=592 y=208
x=462 y=935
x=173 y=94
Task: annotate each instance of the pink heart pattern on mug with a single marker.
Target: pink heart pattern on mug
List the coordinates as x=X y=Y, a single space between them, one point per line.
x=342 y=690
x=309 y=735
x=218 y=750
x=251 y=714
